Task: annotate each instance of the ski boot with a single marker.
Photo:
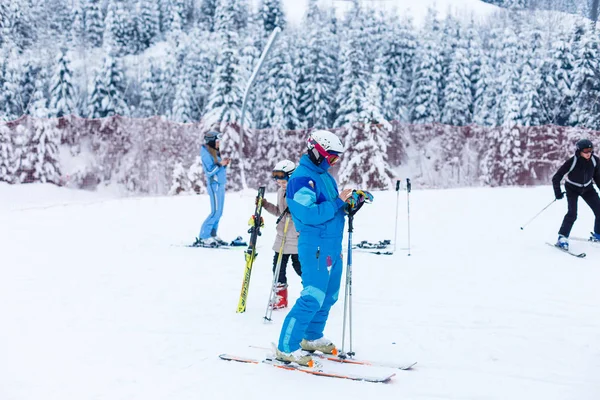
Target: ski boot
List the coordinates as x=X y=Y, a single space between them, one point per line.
x=280 y=300
x=323 y=345
x=563 y=242
x=595 y=237
x=238 y=241
x=210 y=242
x=220 y=241
x=299 y=357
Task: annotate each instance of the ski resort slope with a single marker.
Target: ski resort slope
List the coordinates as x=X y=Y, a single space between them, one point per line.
x=98 y=300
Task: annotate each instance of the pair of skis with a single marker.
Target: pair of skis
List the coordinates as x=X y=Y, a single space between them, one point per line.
x=256 y=222
x=572 y=253
x=321 y=368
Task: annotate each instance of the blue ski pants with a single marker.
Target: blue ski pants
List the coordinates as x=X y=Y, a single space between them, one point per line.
x=321 y=275
x=216 y=193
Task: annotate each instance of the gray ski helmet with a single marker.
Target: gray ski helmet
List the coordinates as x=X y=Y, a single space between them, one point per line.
x=584 y=144
x=211 y=136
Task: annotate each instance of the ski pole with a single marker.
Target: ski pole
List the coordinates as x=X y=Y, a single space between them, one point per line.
x=269 y=311
x=397 y=205
x=408 y=189
x=348 y=293
x=536 y=215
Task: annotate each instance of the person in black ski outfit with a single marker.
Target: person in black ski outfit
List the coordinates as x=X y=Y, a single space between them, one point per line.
x=582 y=169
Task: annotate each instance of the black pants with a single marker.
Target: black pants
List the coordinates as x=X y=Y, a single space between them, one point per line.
x=592 y=200
x=284 y=260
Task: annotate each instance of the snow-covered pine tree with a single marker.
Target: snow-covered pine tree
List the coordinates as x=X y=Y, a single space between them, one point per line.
x=280 y=89
x=62 y=92
x=457 y=88
x=109 y=88
x=365 y=161
x=10 y=93
x=18 y=27
x=148 y=23
x=117 y=33
x=146 y=107
x=8 y=160
x=180 y=182
x=94 y=23
x=225 y=100
x=77 y=31
x=182 y=106
x=272 y=15
x=475 y=57
x=95 y=107
x=559 y=93
x=320 y=69
x=531 y=59
x=354 y=78
x=166 y=15
x=424 y=94
x=586 y=83
x=27 y=85
x=195 y=177
x=206 y=16
x=43 y=156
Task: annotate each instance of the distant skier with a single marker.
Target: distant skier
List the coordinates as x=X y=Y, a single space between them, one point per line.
x=215 y=170
x=582 y=169
x=281 y=174
x=318 y=212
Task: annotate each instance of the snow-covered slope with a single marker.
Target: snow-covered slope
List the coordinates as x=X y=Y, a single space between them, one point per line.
x=98 y=301
x=295 y=9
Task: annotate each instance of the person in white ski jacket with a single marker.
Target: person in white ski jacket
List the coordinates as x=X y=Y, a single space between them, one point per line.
x=281 y=174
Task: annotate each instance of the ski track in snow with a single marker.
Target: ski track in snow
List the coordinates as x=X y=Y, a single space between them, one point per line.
x=99 y=301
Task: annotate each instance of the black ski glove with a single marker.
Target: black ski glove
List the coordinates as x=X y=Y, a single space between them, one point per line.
x=559 y=195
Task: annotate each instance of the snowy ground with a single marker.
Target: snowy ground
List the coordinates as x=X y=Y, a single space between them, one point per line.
x=97 y=301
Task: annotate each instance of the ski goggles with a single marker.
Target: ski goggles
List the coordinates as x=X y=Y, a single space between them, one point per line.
x=280 y=175
x=332 y=157
x=587 y=151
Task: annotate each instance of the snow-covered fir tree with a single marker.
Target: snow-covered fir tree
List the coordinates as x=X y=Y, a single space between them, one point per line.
x=280 y=94
x=11 y=89
x=225 y=100
x=206 y=15
x=457 y=89
x=319 y=72
x=396 y=70
x=272 y=15
x=166 y=15
x=182 y=106
x=148 y=23
x=62 y=92
x=77 y=31
x=586 y=83
x=354 y=78
x=180 y=182
x=146 y=107
x=109 y=88
x=43 y=155
x=8 y=161
x=93 y=22
x=424 y=94
x=196 y=178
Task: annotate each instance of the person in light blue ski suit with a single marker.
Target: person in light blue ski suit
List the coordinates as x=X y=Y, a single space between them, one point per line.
x=215 y=170
x=318 y=213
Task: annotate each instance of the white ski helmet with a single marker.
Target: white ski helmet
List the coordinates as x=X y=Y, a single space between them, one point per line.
x=286 y=166
x=328 y=140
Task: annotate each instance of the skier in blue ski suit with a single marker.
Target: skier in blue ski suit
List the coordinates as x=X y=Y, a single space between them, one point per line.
x=215 y=170
x=318 y=213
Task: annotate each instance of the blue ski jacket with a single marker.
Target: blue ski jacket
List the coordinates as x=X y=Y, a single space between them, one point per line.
x=312 y=197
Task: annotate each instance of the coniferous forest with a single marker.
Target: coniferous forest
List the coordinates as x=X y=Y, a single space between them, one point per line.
x=111 y=91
